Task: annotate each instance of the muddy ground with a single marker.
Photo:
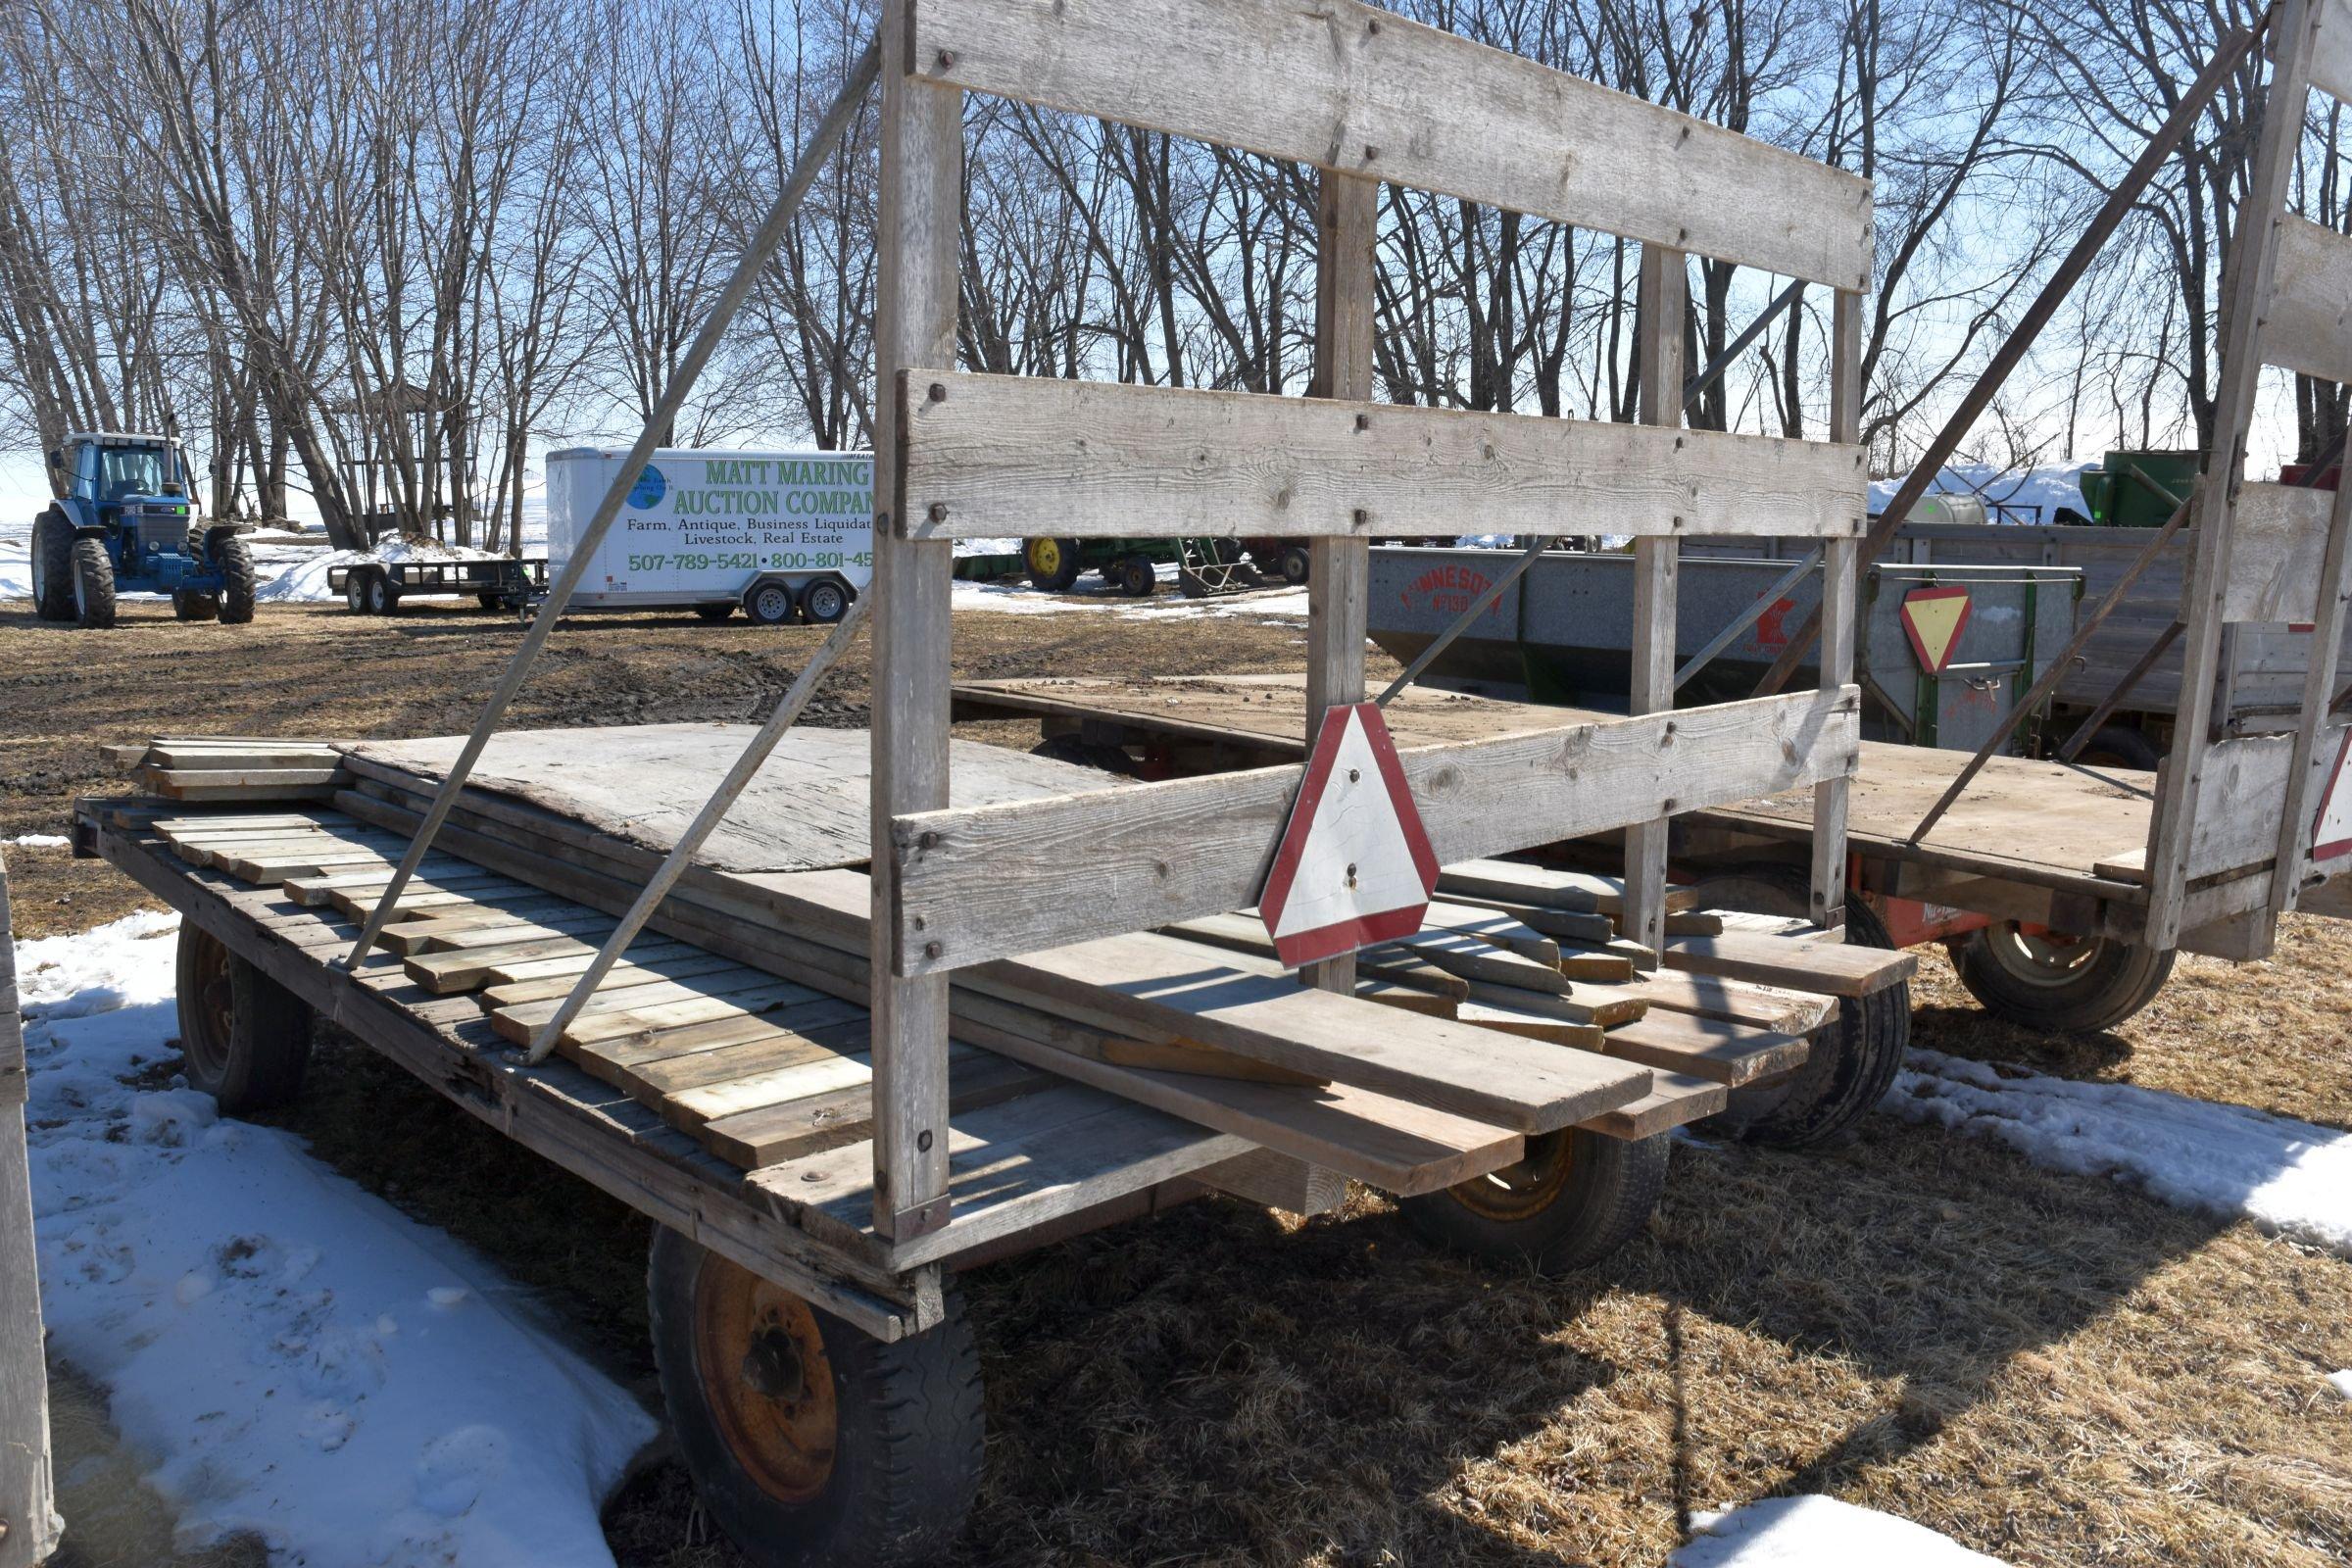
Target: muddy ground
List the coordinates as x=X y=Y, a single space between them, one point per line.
x=2050 y=1368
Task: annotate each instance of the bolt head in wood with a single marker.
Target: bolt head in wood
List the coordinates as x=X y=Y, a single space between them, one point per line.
x=938 y=512
x=932 y=949
x=922 y=1140
x=939 y=392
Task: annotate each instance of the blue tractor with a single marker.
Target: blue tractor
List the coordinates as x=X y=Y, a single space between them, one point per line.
x=126 y=521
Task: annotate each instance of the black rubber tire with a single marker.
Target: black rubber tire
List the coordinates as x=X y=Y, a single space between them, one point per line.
x=2120 y=746
x=189 y=605
x=1133 y=576
x=238 y=586
x=493 y=602
x=824 y=602
x=52 y=566
x=1854 y=1058
x=770 y=604
x=93 y=585
x=906 y=1460
x=1291 y=564
x=2116 y=981
x=245 y=1039
x=355 y=591
x=384 y=598
x=1064 y=570
x=1603 y=1200
x=714 y=613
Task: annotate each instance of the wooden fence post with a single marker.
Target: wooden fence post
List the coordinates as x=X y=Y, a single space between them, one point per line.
x=28 y=1523
x=1664 y=296
x=922 y=228
x=1346 y=212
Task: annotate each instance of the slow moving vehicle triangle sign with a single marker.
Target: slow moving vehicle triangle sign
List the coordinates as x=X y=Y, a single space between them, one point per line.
x=1934 y=618
x=1354 y=865
x=2331 y=830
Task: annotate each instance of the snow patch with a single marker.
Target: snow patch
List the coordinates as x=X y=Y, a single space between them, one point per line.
x=2284 y=1175
x=2341 y=1383
x=241 y=1304
x=2025 y=496
x=41 y=841
x=1816 y=1532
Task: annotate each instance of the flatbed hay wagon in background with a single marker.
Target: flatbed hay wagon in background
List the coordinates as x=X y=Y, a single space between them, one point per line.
x=843 y=1012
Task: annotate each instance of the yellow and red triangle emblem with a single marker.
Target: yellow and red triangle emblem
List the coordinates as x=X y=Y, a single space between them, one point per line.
x=1934 y=618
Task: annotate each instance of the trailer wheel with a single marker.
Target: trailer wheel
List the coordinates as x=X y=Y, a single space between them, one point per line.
x=1053 y=563
x=1133 y=576
x=53 y=567
x=93 y=585
x=714 y=613
x=355 y=591
x=491 y=601
x=824 y=602
x=246 y=1039
x=809 y=1441
x=237 y=590
x=1292 y=565
x=2052 y=983
x=769 y=603
x=2120 y=746
x=383 y=595
x=1853 y=1058
x=1574 y=1198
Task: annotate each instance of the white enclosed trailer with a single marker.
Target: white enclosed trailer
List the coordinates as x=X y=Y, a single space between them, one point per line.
x=782 y=535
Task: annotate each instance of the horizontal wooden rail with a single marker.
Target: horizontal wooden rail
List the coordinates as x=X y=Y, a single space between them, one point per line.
x=2332 y=55
x=1006 y=455
x=2278 y=541
x=989 y=882
x=2309 y=327
x=2239 y=795
x=1359 y=90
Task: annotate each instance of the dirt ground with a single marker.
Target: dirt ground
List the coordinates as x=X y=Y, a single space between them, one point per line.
x=2049 y=1368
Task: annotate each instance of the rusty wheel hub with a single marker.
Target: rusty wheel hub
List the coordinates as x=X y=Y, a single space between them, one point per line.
x=765 y=1377
x=1523 y=1190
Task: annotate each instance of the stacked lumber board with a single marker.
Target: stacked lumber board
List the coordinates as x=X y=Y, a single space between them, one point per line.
x=231 y=768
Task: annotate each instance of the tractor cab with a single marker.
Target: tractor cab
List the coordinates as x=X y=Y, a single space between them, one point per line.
x=126 y=522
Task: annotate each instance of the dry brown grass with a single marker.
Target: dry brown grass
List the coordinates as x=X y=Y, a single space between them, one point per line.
x=2051 y=1369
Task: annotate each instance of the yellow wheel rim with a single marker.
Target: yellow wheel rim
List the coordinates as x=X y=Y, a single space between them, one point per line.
x=1045 y=556
x=1524 y=1189
x=766 y=1379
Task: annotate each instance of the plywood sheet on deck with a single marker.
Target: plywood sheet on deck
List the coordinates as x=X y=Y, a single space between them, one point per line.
x=806 y=809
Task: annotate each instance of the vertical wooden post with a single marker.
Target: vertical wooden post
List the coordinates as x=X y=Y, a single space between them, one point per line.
x=1664 y=296
x=1840 y=563
x=31 y=1523
x=914 y=324
x=2246 y=294
x=1339 y=569
x=2319 y=685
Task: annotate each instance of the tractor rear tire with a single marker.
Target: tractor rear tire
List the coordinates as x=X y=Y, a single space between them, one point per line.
x=93 y=585
x=245 y=1040
x=1854 y=1056
x=237 y=588
x=53 y=567
x=2055 y=985
x=1053 y=563
x=1571 y=1200
x=810 y=1442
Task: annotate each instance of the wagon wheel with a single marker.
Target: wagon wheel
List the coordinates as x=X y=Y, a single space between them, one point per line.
x=810 y=1442
x=244 y=1039
x=1574 y=1198
x=1852 y=1058
x=2053 y=983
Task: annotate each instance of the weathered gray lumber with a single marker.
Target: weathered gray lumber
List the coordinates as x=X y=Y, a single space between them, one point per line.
x=2277 y=559
x=919 y=244
x=2331 y=52
x=2332 y=591
x=1009 y=456
x=2247 y=297
x=658 y=422
x=1339 y=570
x=1000 y=880
x=2310 y=324
x=1359 y=90
x=26 y=1482
x=1840 y=569
x=781 y=719
x=1665 y=294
